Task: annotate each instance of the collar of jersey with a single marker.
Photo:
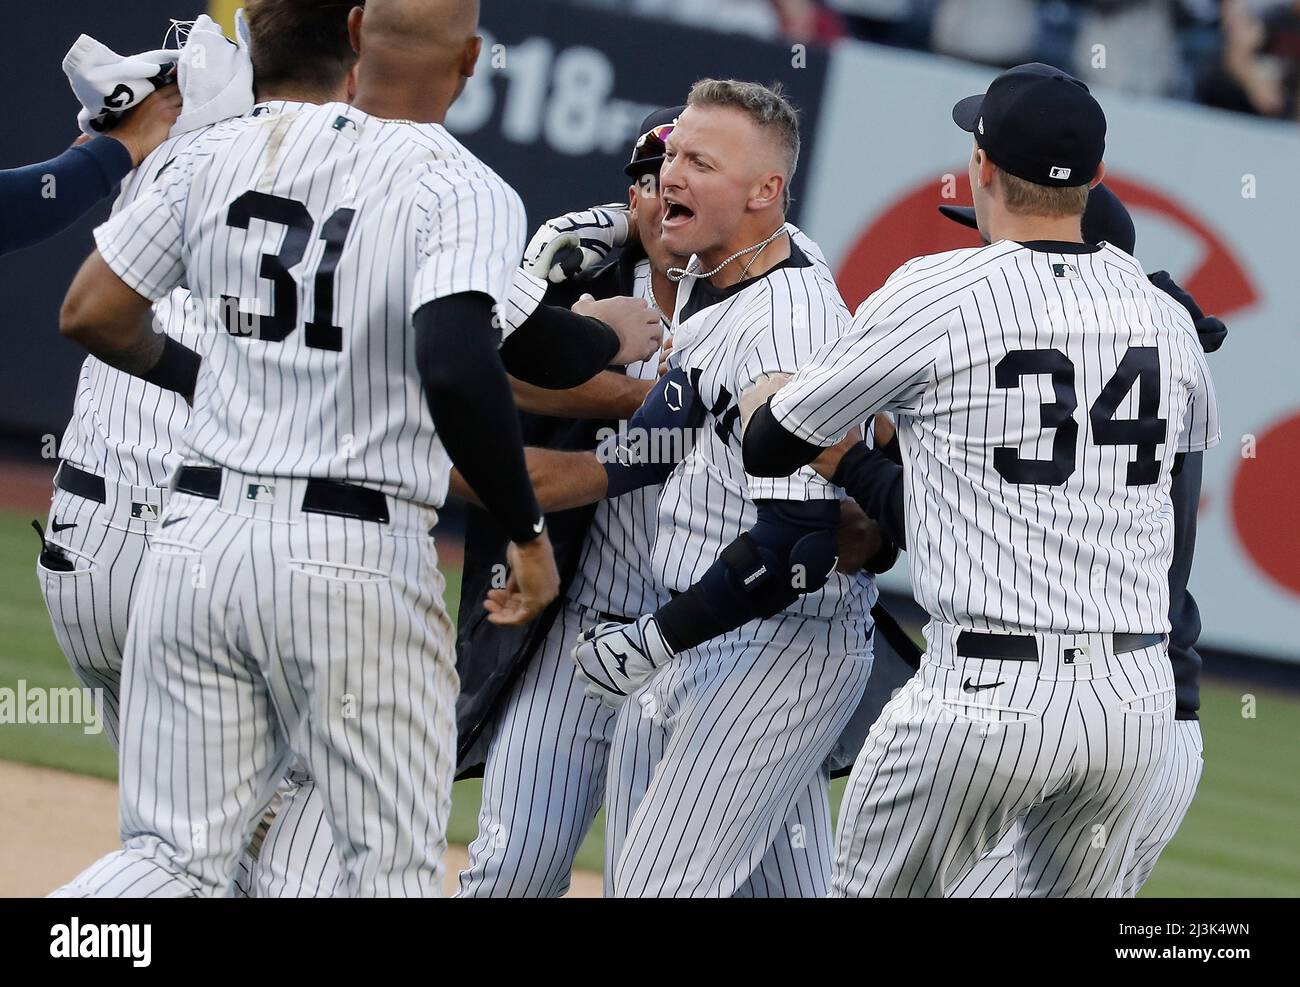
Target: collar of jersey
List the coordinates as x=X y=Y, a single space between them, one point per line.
x=1059 y=247
x=704 y=294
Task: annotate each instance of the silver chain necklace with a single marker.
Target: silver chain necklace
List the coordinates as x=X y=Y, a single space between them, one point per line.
x=680 y=273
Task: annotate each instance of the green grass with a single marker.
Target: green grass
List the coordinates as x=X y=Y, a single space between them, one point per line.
x=1240 y=838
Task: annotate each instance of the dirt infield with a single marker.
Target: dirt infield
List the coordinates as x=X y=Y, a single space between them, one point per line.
x=55 y=823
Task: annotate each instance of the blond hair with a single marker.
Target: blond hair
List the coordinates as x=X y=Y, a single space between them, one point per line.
x=1024 y=198
x=766 y=106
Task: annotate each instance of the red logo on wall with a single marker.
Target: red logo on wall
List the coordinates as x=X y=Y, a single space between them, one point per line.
x=912 y=226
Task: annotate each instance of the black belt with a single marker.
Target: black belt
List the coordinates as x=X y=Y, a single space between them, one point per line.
x=1024 y=647
x=331 y=497
x=80 y=483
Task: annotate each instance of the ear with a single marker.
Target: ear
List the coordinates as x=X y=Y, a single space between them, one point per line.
x=984 y=168
x=1101 y=173
x=469 y=58
x=354 y=27
x=768 y=192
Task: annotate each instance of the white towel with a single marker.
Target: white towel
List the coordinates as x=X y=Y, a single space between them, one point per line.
x=215 y=75
x=108 y=84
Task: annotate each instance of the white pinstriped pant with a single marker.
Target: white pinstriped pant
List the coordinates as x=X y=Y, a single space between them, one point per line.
x=994 y=876
x=718 y=785
x=90 y=607
x=1068 y=752
x=544 y=782
x=261 y=633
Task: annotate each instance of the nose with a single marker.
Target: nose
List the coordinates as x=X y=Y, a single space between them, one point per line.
x=670 y=175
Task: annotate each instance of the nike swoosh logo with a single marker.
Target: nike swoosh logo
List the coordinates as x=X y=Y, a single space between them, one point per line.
x=173 y=520
x=56 y=527
x=967 y=686
x=541 y=523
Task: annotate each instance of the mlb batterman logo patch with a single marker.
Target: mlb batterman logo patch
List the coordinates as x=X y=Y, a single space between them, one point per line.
x=347 y=127
x=1059 y=172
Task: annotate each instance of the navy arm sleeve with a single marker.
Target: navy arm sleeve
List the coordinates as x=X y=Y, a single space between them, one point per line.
x=875 y=481
x=40 y=200
x=473 y=408
x=558 y=349
x=769 y=450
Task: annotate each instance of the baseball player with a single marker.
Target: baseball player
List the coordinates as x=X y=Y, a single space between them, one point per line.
x=876 y=481
x=124 y=438
x=291 y=602
x=545 y=761
x=1106 y=219
x=722 y=757
x=1041 y=533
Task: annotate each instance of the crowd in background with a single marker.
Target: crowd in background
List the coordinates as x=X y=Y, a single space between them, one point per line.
x=1242 y=55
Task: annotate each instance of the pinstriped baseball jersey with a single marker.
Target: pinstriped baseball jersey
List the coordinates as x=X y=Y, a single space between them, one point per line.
x=122 y=427
x=1041 y=393
x=614 y=574
x=354 y=222
x=769 y=324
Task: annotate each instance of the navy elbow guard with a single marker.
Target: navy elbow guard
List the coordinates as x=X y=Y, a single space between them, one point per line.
x=789 y=552
x=655 y=439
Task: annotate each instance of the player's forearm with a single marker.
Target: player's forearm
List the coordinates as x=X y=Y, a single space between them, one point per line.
x=788 y=552
x=42 y=199
x=561 y=480
x=769 y=450
x=115 y=325
x=607 y=395
x=872 y=479
x=470 y=401
x=558 y=349
x=564 y=480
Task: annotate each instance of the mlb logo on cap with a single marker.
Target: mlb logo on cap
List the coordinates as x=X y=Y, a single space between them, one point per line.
x=1059 y=172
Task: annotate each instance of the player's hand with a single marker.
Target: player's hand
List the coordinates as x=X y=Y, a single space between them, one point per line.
x=617 y=659
x=637 y=325
x=883 y=428
x=1209 y=330
x=664 y=354
x=534 y=582
x=143 y=127
x=575 y=242
x=756 y=394
x=828 y=462
x=858 y=539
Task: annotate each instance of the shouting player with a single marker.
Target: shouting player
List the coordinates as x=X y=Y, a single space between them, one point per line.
x=1044 y=389
x=721 y=759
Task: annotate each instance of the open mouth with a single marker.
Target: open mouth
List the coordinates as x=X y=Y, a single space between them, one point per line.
x=676 y=214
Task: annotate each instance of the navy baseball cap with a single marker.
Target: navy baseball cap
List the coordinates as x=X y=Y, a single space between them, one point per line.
x=1038 y=123
x=1105 y=218
x=648 y=153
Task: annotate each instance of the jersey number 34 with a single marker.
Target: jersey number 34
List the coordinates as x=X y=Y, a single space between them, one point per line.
x=1141 y=366
x=320 y=333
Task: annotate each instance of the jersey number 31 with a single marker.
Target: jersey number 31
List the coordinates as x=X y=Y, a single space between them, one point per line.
x=321 y=333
